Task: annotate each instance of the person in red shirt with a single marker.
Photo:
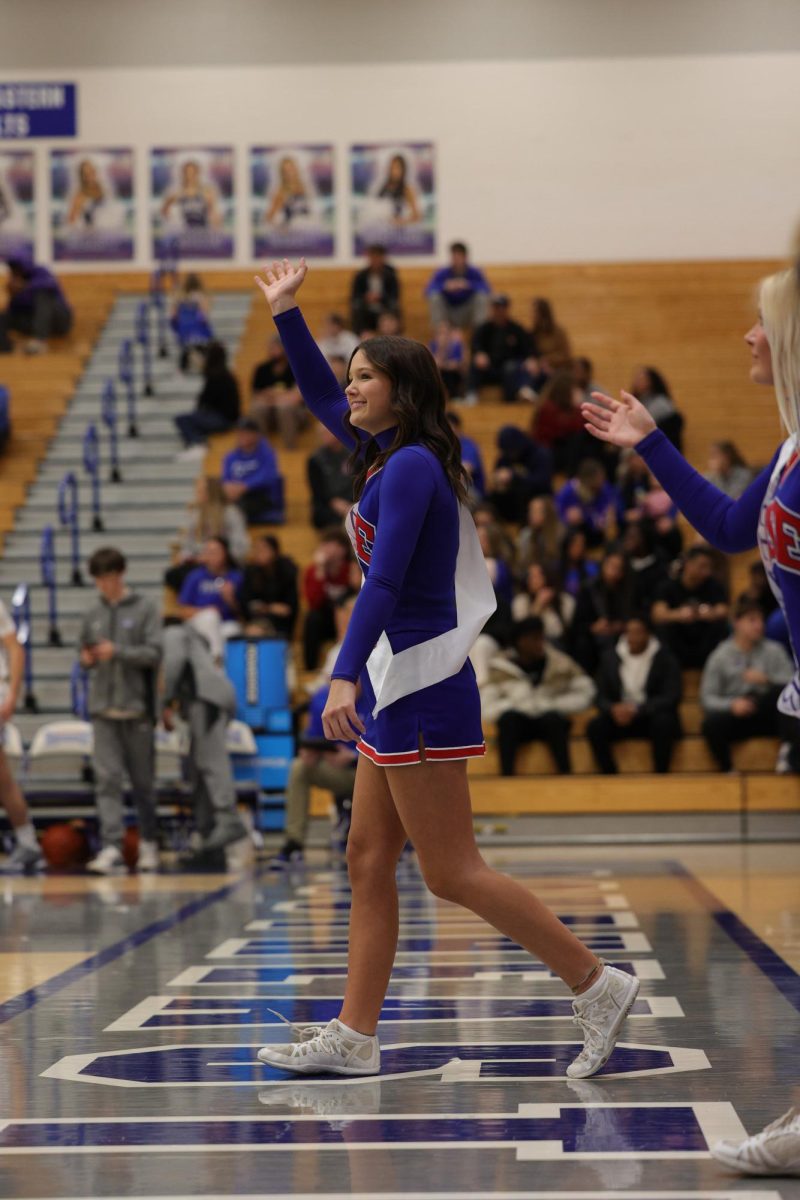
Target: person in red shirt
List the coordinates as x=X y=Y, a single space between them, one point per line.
x=558 y=423
x=325 y=580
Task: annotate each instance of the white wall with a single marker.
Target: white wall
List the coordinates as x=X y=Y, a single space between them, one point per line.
x=580 y=159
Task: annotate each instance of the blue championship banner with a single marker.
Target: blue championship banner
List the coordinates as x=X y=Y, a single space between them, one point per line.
x=38 y=110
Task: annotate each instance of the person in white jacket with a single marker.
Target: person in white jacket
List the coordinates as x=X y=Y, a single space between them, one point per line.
x=531 y=692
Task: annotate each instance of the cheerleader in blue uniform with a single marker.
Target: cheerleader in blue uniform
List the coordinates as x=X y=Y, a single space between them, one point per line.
x=767 y=515
x=425 y=597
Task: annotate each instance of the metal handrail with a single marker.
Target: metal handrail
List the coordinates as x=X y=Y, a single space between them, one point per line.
x=69 y=516
x=91 y=465
x=49 y=575
x=23 y=619
x=108 y=412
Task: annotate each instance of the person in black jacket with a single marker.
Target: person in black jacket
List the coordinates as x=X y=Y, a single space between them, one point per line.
x=522 y=470
x=638 y=693
x=500 y=349
x=330 y=481
x=218 y=405
x=268 y=591
x=602 y=608
x=374 y=291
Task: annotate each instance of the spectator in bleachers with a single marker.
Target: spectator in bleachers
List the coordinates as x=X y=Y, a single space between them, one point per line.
x=37 y=307
x=531 y=692
x=194 y=684
x=759 y=591
x=389 y=325
x=500 y=350
x=267 y=595
x=544 y=597
x=325 y=580
x=119 y=645
x=727 y=470
x=207 y=516
x=218 y=407
x=320 y=763
x=644 y=499
x=521 y=471
x=491 y=542
x=484 y=513
x=603 y=607
x=458 y=293
x=558 y=424
x=251 y=478
x=190 y=321
x=374 y=290
x=690 y=613
x=448 y=348
x=740 y=687
x=650 y=387
x=336 y=340
x=589 y=502
x=638 y=693
x=275 y=400
x=583 y=376
x=329 y=480
x=550 y=341
x=26 y=855
x=209 y=595
x=471 y=459
x=649 y=566
x=576 y=568
x=539 y=540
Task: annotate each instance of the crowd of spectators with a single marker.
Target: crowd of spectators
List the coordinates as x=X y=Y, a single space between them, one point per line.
x=601 y=604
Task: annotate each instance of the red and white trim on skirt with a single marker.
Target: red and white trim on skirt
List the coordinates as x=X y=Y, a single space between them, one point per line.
x=408 y=758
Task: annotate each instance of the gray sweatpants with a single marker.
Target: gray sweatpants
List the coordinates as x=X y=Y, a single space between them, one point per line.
x=302 y=777
x=121 y=746
x=210 y=775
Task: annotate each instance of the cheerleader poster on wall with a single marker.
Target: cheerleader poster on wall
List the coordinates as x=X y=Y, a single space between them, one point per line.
x=91 y=204
x=394 y=197
x=291 y=201
x=16 y=204
x=192 y=201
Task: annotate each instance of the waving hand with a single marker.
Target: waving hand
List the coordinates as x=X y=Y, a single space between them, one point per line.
x=621 y=424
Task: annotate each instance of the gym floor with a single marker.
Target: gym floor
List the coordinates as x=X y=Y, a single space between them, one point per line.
x=131 y=1010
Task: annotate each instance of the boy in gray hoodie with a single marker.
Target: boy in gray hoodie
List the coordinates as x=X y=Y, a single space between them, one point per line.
x=120 y=646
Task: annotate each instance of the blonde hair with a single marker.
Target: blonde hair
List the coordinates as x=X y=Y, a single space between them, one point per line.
x=779 y=299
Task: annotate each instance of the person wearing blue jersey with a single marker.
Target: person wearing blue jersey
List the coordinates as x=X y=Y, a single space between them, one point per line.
x=426 y=596
x=766 y=515
x=251 y=477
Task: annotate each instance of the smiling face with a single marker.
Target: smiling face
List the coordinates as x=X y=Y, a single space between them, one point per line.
x=760 y=354
x=369 y=394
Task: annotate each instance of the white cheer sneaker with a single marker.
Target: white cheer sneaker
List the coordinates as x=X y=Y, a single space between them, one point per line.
x=774 y=1151
x=599 y=1013
x=321 y=1049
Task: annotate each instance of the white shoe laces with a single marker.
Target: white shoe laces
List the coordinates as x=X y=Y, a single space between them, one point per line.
x=592 y=1036
x=300 y=1033
x=783 y=1124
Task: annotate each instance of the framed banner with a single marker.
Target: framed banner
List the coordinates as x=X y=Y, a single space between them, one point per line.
x=192 y=201
x=292 y=202
x=394 y=197
x=17 y=214
x=92 y=204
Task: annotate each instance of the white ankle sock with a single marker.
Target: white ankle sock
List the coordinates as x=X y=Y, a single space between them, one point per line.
x=26 y=836
x=353 y=1033
x=595 y=990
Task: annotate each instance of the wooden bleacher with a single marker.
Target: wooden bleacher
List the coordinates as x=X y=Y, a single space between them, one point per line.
x=686 y=319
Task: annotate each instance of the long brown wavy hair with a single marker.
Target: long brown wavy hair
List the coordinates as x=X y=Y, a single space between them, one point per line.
x=419 y=401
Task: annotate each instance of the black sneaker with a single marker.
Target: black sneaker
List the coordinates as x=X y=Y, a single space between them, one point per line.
x=291 y=854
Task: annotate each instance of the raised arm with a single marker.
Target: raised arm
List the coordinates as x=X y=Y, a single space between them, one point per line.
x=730 y=525
x=317 y=383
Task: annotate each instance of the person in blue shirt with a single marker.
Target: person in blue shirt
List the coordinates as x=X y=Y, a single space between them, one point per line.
x=212 y=585
x=458 y=293
x=250 y=476
x=589 y=502
x=766 y=515
x=425 y=597
x=471 y=459
x=37 y=306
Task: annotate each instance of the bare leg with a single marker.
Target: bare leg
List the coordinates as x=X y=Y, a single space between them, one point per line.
x=432 y=801
x=10 y=796
x=374 y=846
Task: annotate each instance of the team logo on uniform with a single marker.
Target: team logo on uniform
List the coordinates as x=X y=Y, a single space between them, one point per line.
x=364 y=538
x=783 y=536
